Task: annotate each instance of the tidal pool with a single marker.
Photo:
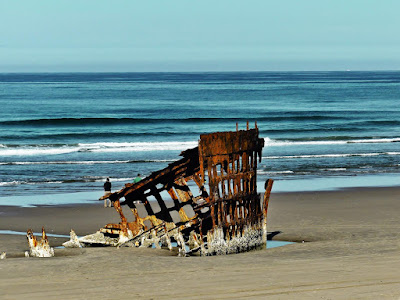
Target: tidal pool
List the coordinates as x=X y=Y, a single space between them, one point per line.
x=39 y=234
x=274 y=244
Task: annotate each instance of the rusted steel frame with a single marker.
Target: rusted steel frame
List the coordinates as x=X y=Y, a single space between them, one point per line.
x=229 y=160
x=179 y=206
x=197 y=179
x=242 y=214
x=184 y=167
x=170 y=178
x=163 y=213
x=124 y=224
x=235 y=204
x=212 y=187
x=240 y=222
x=237 y=197
x=136 y=226
x=268 y=188
x=238 y=150
x=132 y=191
x=190 y=225
x=182 y=189
x=220 y=143
x=118 y=208
x=245 y=165
x=145 y=202
x=174 y=198
x=245 y=205
x=240 y=206
x=185 y=196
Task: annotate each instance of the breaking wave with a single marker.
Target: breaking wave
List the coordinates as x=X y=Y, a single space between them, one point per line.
x=331 y=155
x=17 y=182
x=85 y=179
x=32 y=150
x=57 y=149
x=86 y=162
x=274 y=143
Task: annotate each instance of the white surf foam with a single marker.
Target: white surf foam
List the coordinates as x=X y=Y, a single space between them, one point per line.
x=139 y=146
x=275 y=172
x=39 y=150
x=335 y=169
x=128 y=179
x=331 y=155
x=10 y=183
x=86 y=162
x=276 y=143
x=94 y=147
x=35 y=150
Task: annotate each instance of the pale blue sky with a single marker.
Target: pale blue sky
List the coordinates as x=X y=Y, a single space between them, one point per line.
x=184 y=35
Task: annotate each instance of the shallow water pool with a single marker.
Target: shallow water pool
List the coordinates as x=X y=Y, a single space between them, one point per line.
x=274 y=244
x=35 y=234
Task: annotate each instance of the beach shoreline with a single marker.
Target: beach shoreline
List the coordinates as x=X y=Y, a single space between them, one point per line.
x=350 y=251
x=90 y=215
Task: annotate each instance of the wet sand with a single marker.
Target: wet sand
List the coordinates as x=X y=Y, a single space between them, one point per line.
x=351 y=250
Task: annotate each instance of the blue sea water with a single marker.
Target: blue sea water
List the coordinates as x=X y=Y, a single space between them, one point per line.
x=63 y=132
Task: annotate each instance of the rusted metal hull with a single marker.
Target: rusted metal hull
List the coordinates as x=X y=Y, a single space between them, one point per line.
x=223 y=214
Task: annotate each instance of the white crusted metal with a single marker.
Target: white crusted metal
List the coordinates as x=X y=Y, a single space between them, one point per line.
x=73 y=242
x=251 y=238
x=39 y=248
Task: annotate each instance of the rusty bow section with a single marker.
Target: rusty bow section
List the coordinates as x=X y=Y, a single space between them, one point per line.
x=226 y=215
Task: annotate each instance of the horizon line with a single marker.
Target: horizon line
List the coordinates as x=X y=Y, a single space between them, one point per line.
x=210 y=71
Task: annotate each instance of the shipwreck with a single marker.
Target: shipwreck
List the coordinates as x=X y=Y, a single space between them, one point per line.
x=206 y=203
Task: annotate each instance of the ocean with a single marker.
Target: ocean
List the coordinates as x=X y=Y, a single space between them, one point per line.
x=67 y=132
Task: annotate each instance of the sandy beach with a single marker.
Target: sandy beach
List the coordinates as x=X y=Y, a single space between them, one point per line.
x=351 y=250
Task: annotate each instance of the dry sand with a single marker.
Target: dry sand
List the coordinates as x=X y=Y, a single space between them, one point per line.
x=351 y=251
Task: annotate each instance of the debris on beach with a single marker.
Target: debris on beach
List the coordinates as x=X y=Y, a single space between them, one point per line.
x=226 y=216
x=73 y=242
x=39 y=248
x=3 y=255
